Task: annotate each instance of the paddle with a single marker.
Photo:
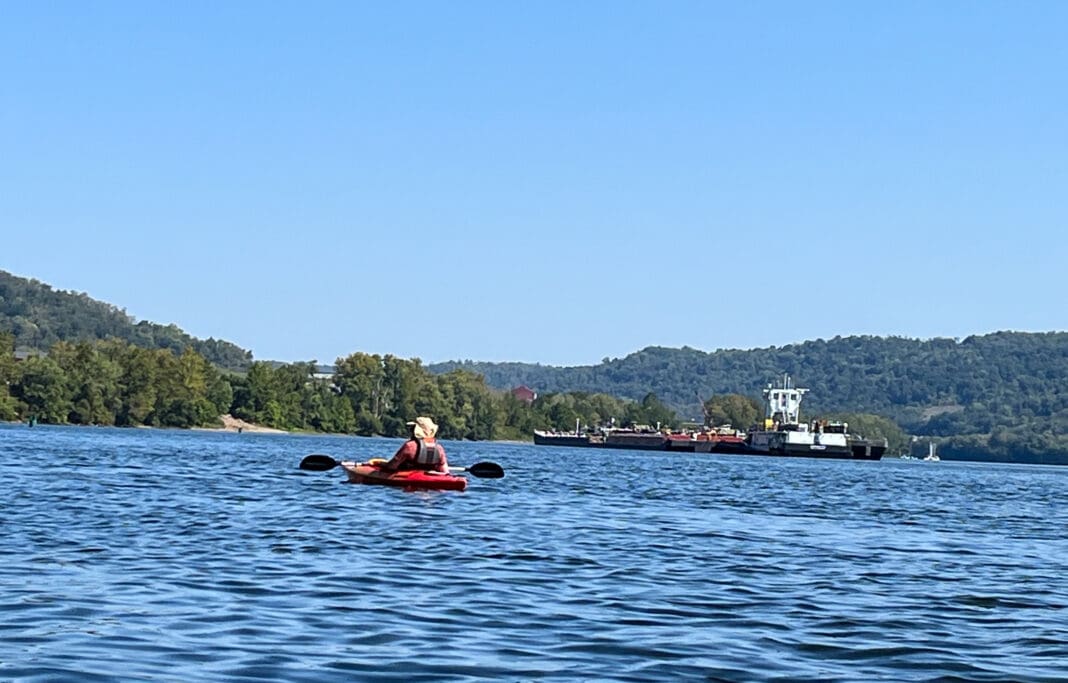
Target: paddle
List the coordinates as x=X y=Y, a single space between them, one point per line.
x=318 y=462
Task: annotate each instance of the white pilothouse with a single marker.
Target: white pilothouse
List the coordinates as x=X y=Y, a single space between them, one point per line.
x=785 y=434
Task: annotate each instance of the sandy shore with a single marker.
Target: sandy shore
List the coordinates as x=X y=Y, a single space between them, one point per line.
x=233 y=424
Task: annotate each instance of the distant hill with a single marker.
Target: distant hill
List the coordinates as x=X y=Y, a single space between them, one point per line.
x=930 y=387
x=39 y=316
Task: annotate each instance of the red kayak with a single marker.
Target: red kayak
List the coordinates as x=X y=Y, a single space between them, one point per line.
x=364 y=473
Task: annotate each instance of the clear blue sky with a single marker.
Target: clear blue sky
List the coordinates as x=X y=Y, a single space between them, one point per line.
x=541 y=182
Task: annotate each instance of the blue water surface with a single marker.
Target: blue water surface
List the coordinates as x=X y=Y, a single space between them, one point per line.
x=178 y=556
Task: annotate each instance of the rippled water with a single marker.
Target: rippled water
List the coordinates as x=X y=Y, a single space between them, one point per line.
x=179 y=556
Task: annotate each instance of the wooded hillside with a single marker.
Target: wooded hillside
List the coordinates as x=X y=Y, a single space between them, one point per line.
x=998 y=396
x=936 y=387
x=39 y=316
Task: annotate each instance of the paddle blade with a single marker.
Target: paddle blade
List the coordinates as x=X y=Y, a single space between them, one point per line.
x=318 y=463
x=486 y=470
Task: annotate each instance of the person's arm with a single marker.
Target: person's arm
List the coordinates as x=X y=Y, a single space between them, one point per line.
x=444 y=466
x=403 y=455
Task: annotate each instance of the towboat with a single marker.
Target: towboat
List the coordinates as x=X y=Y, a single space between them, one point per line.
x=783 y=433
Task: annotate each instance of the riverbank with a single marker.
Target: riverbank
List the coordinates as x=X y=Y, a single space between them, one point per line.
x=233 y=424
x=229 y=423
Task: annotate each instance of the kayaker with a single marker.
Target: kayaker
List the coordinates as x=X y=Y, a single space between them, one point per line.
x=420 y=451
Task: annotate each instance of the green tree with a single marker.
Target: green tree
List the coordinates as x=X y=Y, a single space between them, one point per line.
x=220 y=393
x=486 y=414
x=654 y=412
x=181 y=395
x=518 y=419
x=359 y=378
x=367 y=424
x=561 y=413
x=340 y=417
x=292 y=383
x=8 y=376
x=325 y=410
x=136 y=381
x=401 y=381
x=43 y=388
x=740 y=412
x=93 y=380
x=261 y=388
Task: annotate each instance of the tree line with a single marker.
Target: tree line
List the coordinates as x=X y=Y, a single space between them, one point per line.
x=935 y=387
x=1002 y=393
x=995 y=397
x=116 y=383
x=111 y=383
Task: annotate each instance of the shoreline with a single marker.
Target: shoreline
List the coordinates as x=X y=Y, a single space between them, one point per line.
x=239 y=426
x=228 y=424
x=235 y=425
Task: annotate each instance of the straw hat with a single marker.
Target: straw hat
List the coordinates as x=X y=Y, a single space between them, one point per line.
x=424 y=428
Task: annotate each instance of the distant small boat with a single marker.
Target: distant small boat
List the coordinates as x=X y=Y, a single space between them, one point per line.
x=931 y=455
